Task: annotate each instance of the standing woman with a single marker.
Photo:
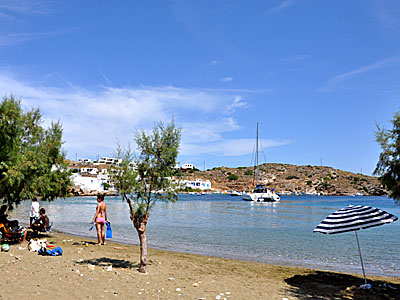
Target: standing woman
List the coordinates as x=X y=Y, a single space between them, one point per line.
x=100 y=217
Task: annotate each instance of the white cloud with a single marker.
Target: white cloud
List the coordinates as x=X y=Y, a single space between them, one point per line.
x=236 y=103
x=207 y=131
x=231 y=147
x=283 y=5
x=8 y=8
x=93 y=119
x=16 y=38
x=333 y=83
x=16 y=11
x=227 y=79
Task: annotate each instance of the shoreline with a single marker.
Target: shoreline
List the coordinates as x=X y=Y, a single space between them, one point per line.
x=225 y=247
x=84 y=272
x=280 y=263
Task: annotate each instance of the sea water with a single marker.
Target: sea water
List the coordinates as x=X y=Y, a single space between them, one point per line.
x=226 y=226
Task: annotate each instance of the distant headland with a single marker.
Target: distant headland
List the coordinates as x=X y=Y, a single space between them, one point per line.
x=292 y=179
x=285 y=179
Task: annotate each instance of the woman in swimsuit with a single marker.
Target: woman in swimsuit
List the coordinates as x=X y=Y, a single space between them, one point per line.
x=101 y=218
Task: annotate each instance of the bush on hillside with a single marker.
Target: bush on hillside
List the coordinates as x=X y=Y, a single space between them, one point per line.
x=248 y=172
x=233 y=177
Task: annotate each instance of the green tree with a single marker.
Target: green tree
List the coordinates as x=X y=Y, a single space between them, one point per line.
x=388 y=166
x=146 y=178
x=31 y=160
x=233 y=177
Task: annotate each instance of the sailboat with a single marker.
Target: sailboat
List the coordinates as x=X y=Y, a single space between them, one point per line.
x=260 y=193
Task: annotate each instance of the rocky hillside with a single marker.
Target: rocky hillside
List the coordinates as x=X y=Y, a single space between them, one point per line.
x=291 y=179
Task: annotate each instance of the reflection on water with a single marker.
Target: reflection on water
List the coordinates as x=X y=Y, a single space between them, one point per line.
x=226 y=226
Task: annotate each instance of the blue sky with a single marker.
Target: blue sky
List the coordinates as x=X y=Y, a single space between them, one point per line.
x=316 y=75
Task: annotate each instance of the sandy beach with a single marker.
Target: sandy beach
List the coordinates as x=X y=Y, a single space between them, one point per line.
x=87 y=271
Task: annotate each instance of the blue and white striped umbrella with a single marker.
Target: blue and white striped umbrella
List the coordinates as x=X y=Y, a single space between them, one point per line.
x=354 y=218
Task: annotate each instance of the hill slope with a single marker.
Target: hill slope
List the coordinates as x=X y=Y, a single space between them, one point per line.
x=285 y=178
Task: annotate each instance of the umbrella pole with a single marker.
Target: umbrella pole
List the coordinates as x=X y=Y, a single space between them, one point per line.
x=359 y=252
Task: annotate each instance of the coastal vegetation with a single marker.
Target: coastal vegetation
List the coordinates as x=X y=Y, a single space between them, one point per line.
x=150 y=170
x=388 y=166
x=32 y=162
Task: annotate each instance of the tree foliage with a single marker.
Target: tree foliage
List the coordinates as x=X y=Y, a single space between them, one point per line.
x=31 y=160
x=145 y=178
x=388 y=166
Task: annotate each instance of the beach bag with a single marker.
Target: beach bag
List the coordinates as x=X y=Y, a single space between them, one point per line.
x=36 y=245
x=108 y=231
x=55 y=252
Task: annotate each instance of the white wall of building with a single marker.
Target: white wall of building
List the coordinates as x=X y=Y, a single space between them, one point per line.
x=87 y=184
x=196 y=184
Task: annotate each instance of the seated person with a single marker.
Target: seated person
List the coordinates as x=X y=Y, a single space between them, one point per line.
x=4 y=220
x=42 y=223
x=15 y=232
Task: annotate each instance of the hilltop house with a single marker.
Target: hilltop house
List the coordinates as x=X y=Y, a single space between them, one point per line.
x=108 y=161
x=187 y=167
x=85 y=161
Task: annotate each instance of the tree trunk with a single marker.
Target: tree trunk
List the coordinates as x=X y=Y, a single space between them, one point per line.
x=141 y=229
x=140 y=225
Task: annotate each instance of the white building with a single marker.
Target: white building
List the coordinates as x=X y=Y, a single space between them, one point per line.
x=187 y=167
x=108 y=161
x=196 y=184
x=90 y=184
x=89 y=171
x=87 y=184
x=85 y=161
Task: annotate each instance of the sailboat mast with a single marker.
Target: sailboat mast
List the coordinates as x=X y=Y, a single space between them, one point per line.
x=257 y=156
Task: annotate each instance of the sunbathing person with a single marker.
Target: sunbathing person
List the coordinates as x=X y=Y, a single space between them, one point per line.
x=42 y=223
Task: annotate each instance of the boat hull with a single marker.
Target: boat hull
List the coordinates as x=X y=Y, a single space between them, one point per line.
x=261 y=197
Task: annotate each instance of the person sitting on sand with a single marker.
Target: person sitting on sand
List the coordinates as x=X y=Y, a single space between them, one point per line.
x=101 y=218
x=4 y=220
x=42 y=223
x=14 y=232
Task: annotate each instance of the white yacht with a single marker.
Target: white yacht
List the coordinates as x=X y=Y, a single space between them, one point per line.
x=261 y=193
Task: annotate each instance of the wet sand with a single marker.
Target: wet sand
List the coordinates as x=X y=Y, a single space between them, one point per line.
x=88 y=271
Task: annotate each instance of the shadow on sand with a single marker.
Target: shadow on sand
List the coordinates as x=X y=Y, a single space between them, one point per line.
x=329 y=285
x=105 y=262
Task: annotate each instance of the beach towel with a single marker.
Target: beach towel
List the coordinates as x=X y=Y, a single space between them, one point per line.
x=108 y=231
x=55 y=252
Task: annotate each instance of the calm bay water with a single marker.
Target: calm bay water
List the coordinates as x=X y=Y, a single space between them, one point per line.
x=226 y=226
